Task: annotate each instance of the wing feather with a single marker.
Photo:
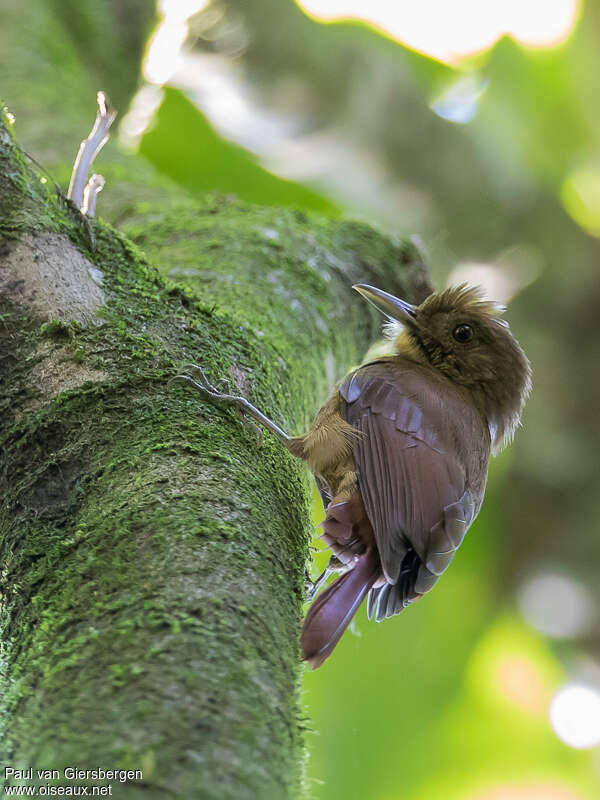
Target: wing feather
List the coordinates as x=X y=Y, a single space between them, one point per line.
x=413 y=484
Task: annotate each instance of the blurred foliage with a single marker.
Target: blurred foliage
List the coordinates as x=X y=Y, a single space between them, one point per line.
x=104 y=34
x=450 y=700
x=183 y=145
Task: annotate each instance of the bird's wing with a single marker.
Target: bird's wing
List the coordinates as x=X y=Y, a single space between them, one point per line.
x=412 y=484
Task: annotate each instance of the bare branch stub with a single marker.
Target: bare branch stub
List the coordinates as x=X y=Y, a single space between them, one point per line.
x=81 y=191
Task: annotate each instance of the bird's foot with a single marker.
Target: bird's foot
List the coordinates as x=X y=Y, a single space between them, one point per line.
x=312 y=588
x=200 y=382
x=334 y=567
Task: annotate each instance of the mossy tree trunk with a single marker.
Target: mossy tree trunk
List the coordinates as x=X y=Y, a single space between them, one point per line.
x=152 y=550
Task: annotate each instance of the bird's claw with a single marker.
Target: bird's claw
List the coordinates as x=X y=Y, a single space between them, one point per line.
x=312 y=588
x=201 y=382
x=334 y=567
x=243 y=406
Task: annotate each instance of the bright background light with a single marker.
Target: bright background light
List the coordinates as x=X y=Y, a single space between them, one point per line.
x=163 y=56
x=556 y=605
x=451 y=31
x=581 y=197
x=510 y=272
x=575 y=715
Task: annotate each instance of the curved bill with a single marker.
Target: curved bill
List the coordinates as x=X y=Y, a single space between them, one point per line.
x=394 y=308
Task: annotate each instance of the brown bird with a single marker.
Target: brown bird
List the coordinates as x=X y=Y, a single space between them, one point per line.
x=400 y=452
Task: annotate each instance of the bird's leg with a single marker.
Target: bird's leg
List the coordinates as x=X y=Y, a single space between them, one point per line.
x=242 y=405
x=313 y=587
x=83 y=193
x=334 y=566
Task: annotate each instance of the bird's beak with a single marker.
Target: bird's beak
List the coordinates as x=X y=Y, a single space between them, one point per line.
x=394 y=308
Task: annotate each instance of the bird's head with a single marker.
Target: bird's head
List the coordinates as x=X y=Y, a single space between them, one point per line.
x=464 y=337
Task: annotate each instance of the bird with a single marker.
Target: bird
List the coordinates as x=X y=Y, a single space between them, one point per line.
x=400 y=452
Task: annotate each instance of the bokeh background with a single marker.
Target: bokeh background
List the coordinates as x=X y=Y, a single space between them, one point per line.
x=475 y=126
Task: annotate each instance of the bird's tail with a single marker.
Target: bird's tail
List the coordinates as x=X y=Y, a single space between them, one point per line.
x=332 y=611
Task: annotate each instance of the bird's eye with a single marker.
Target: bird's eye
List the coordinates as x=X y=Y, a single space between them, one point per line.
x=463 y=333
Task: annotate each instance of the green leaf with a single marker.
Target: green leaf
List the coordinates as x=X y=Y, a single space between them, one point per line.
x=184 y=145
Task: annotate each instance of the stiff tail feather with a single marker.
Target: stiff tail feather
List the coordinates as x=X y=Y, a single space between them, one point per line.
x=332 y=611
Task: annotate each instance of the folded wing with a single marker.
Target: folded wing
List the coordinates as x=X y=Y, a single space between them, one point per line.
x=413 y=482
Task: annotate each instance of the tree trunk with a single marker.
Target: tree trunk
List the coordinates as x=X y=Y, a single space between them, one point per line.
x=152 y=550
